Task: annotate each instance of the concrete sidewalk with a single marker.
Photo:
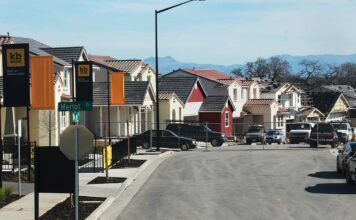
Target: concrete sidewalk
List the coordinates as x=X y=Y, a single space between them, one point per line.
x=24 y=207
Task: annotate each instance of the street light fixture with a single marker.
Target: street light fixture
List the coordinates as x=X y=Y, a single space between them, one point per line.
x=157 y=72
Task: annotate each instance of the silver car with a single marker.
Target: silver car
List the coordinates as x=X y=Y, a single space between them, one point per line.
x=275 y=136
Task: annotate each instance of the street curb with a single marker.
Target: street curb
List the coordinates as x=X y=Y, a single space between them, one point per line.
x=109 y=201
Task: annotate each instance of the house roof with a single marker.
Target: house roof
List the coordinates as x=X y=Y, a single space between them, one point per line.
x=324 y=101
x=305 y=112
x=215 y=104
x=35 y=48
x=259 y=102
x=213 y=75
x=181 y=86
x=4 y=39
x=125 y=65
x=348 y=91
x=135 y=93
x=169 y=95
x=65 y=53
x=100 y=59
x=247 y=82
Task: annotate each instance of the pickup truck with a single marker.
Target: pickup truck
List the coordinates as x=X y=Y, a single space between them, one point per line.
x=344 y=131
x=323 y=133
x=256 y=133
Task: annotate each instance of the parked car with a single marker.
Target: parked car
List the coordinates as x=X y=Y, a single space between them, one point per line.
x=167 y=139
x=299 y=132
x=198 y=133
x=345 y=153
x=275 y=136
x=350 y=172
x=323 y=133
x=344 y=131
x=256 y=133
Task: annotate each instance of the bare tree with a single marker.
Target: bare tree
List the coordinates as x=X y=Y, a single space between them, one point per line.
x=238 y=72
x=278 y=68
x=48 y=123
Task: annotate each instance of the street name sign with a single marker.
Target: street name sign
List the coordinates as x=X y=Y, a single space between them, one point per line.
x=75 y=106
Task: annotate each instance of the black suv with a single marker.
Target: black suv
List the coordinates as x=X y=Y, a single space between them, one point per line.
x=198 y=133
x=323 y=133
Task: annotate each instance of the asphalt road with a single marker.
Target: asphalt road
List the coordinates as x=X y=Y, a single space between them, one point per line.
x=245 y=182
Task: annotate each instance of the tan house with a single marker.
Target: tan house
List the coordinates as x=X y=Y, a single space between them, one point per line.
x=309 y=114
x=170 y=108
x=45 y=125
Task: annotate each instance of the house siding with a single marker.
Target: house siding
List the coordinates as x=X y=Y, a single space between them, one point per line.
x=197 y=94
x=216 y=120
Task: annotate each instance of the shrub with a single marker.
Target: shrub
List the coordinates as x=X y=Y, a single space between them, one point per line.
x=5 y=192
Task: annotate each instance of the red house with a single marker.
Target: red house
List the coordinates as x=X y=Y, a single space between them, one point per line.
x=217 y=112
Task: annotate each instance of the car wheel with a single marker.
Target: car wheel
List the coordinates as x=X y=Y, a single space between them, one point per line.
x=214 y=142
x=145 y=145
x=248 y=143
x=312 y=144
x=338 y=170
x=348 y=178
x=184 y=147
x=280 y=141
x=333 y=145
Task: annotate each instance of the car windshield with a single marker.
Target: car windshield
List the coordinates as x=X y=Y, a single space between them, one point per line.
x=272 y=132
x=299 y=126
x=322 y=127
x=340 y=126
x=252 y=130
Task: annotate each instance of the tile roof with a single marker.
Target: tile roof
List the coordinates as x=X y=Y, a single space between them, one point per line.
x=215 y=104
x=259 y=102
x=166 y=95
x=125 y=65
x=65 y=53
x=308 y=110
x=135 y=92
x=181 y=86
x=99 y=58
x=213 y=75
x=4 y=39
x=35 y=48
x=247 y=82
x=348 y=91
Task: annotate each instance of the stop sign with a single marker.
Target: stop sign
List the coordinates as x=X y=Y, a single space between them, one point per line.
x=85 y=142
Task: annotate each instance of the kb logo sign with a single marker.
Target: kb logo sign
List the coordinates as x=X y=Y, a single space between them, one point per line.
x=83 y=70
x=15 y=57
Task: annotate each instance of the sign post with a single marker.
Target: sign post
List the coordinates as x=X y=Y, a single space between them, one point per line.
x=19 y=134
x=76 y=196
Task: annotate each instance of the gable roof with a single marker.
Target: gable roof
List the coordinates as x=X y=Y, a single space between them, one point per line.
x=135 y=93
x=215 y=104
x=252 y=102
x=35 y=48
x=324 y=101
x=305 y=112
x=247 y=82
x=65 y=53
x=125 y=65
x=169 y=95
x=181 y=86
x=212 y=75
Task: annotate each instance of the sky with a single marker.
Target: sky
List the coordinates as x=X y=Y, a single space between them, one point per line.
x=211 y=31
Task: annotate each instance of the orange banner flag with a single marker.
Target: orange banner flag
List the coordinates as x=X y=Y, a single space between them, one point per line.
x=42 y=82
x=117 y=83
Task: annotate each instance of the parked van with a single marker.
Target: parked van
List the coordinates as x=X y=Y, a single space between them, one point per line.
x=299 y=132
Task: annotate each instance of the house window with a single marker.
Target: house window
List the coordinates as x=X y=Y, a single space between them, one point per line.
x=174 y=115
x=243 y=94
x=149 y=78
x=226 y=119
x=65 y=79
x=64 y=120
x=180 y=113
x=279 y=98
x=235 y=95
x=254 y=93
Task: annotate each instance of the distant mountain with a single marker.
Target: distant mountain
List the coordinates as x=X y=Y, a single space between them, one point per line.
x=324 y=59
x=168 y=64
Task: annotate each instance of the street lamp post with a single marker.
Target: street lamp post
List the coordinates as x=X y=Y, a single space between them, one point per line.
x=157 y=72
